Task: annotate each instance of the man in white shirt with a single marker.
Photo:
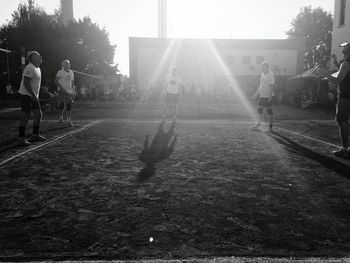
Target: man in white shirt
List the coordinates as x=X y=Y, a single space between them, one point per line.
x=173 y=87
x=66 y=91
x=29 y=95
x=265 y=93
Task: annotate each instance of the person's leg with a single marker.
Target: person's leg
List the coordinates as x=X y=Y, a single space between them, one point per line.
x=25 y=115
x=342 y=116
x=69 y=111
x=62 y=111
x=36 y=123
x=270 y=113
x=344 y=134
x=165 y=108
x=175 y=111
x=22 y=129
x=260 y=116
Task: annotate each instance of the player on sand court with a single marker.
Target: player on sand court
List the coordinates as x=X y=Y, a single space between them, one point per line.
x=29 y=94
x=265 y=93
x=65 y=83
x=173 y=87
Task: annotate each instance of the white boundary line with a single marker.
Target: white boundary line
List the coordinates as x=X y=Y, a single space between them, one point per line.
x=217 y=122
x=55 y=139
x=308 y=137
x=186 y=121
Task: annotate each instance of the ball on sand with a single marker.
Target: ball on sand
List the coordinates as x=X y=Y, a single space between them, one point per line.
x=151 y=239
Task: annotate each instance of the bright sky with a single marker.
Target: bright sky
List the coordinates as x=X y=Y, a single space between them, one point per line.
x=186 y=18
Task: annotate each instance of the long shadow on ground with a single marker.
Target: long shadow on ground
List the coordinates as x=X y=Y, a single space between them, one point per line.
x=326 y=161
x=161 y=147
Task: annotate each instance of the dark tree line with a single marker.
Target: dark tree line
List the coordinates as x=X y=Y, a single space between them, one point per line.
x=315 y=26
x=83 y=42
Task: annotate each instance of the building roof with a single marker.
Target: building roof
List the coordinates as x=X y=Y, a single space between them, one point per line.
x=291 y=44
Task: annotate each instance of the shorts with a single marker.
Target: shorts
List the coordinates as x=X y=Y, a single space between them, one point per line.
x=64 y=97
x=264 y=103
x=28 y=104
x=172 y=98
x=342 y=110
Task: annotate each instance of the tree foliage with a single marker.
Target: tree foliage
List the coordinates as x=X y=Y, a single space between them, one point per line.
x=315 y=26
x=83 y=42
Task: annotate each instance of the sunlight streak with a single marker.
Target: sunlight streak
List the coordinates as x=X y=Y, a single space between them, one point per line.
x=232 y=81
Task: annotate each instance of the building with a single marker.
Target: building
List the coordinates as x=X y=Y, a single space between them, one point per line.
x=205 y=62
x=341 y=25
x=66 y=11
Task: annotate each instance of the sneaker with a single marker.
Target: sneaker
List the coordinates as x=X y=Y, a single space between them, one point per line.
x=60 y=120
x=70 y=123
x=37 y=138
x=23 y=142
x=343 y=153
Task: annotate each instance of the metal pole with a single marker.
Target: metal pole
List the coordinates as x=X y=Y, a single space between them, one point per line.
x=8 y=68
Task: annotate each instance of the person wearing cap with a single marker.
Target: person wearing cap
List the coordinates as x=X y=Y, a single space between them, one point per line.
x=342 y=79
x=173 y=87
x=29 y=96
x=65 y=83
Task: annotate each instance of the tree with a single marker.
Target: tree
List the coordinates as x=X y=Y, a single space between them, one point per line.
x=83 y=42
x=315 y=26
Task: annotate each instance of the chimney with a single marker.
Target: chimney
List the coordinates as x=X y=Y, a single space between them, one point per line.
x=66 y=11
x=162 y=18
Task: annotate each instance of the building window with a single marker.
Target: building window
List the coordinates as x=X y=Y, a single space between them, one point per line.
x=245 y=60
x=259 y=60
x=342 y=12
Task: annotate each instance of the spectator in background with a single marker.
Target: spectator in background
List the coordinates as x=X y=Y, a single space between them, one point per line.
x=83 y=92
x=9 y=91
x=93 y=93
x=106 y=90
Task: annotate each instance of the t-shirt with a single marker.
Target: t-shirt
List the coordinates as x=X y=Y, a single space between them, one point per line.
x=266 y=80
x=65 y=79
x=34 y=74
x=173 y=84
x=344 y=85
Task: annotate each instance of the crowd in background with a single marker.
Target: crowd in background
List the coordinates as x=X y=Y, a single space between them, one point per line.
x=305 y=93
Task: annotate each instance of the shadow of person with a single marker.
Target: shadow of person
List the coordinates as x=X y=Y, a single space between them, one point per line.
x=161 y=147
x=326 y=161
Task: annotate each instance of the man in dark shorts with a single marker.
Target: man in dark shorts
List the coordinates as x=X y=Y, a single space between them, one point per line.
x=342 y=78
x=265 y=93
x=29 y=95
x=172 y=97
